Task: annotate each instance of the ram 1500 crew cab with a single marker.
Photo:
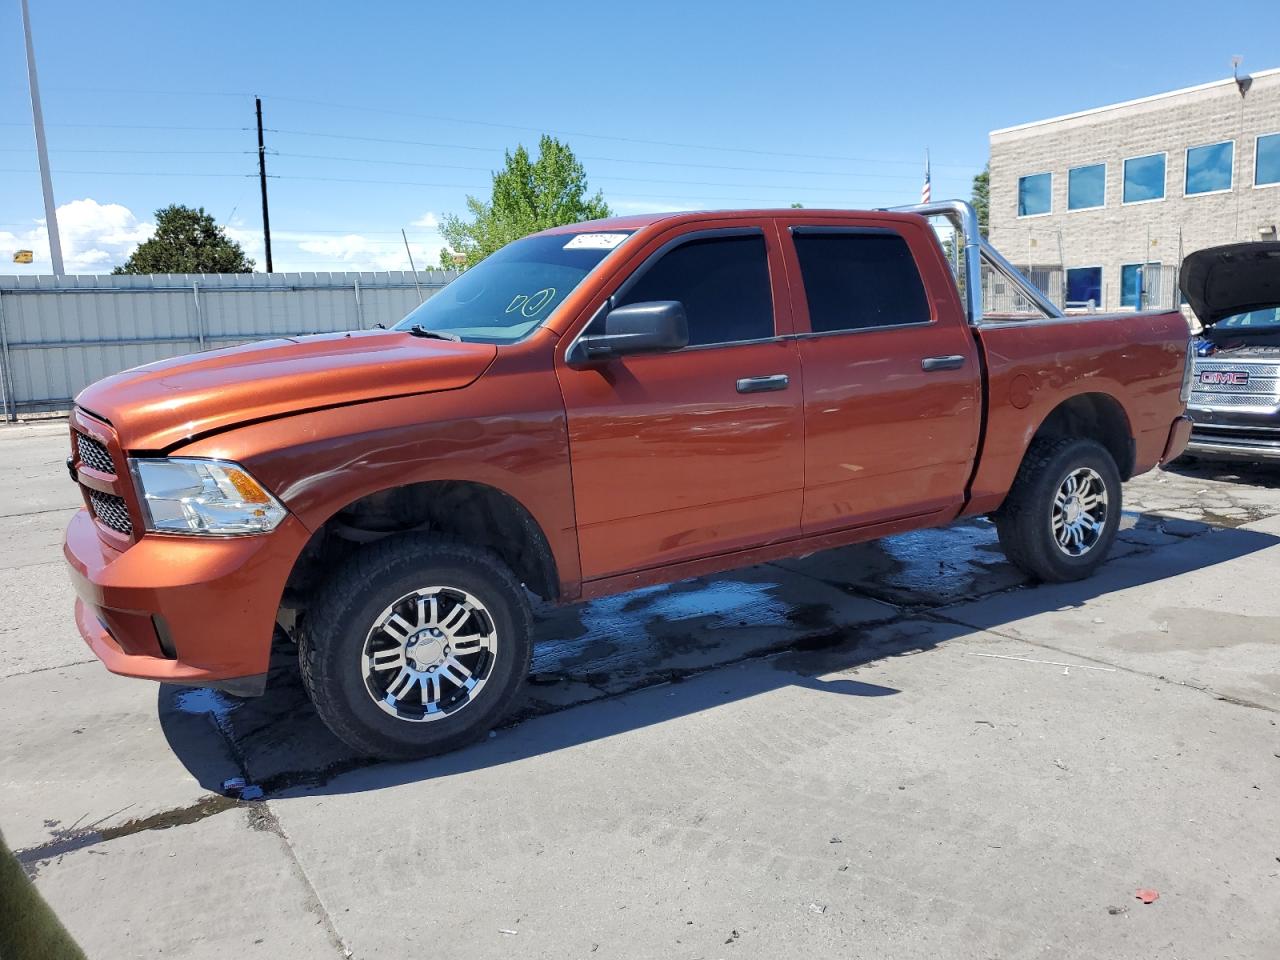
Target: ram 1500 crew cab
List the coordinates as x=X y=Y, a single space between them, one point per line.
x=593 y=409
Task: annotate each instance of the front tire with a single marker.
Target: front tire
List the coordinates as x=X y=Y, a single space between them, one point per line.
x=416 y=647
x=1063 y=510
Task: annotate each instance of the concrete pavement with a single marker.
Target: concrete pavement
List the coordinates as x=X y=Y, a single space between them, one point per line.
x=894 y=750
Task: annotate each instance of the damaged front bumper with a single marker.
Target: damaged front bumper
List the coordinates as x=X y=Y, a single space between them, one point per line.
x=197 y=611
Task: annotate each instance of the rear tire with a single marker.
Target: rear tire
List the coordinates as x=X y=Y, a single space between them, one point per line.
x=416 y=647
x=1061 y=516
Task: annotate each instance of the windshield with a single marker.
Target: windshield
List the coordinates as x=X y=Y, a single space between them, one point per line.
x=505 y=296
x=1267 y=319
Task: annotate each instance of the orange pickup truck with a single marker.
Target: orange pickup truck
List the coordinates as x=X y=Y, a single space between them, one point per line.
x=593 y=409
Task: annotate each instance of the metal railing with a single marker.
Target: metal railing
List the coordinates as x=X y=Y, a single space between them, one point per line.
x=982 y=260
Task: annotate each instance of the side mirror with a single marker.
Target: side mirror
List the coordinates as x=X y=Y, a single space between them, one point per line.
x=658 y=326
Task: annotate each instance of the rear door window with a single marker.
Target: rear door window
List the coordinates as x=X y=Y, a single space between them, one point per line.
x=859 y=279
x=723 y=283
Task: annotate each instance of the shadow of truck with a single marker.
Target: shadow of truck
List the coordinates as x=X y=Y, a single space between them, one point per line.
x=827 y=613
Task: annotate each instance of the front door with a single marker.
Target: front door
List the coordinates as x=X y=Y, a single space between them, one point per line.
x=696 y=452
x=892 y=388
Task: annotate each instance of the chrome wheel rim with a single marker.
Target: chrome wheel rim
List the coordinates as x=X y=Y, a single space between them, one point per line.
x=429 y=654
x=1079 y=512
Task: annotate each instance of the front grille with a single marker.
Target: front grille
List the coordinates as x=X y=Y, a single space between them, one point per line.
x=93 y=454
x=1204 y=400
x=111 y=511
x=1261 y=389
x=1252 y=436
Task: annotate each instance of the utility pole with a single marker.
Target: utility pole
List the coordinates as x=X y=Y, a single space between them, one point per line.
x=262 y=179
x=37 y=118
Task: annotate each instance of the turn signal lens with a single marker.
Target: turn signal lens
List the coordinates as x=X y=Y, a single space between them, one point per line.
x=247 y=487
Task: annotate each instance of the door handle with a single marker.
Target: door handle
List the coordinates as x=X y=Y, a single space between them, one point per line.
x=930 y=364
x=778 y=381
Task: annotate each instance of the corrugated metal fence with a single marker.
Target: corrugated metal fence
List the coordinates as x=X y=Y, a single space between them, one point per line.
x=57 y=335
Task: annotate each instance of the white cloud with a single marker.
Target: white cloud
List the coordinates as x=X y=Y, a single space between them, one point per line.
x=307 y=251
x=354 y=251
x=99 y=236
x=95 y=238
x=250 y=240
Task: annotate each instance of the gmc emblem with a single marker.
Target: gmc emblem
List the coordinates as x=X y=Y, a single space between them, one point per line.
x=1226 y=378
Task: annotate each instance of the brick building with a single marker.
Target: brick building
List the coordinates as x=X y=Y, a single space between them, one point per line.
x=1103 y=204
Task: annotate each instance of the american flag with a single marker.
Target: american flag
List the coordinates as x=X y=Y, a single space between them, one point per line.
x=926 y=191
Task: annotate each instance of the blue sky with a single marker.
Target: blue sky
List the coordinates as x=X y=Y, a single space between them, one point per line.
x=387 y=115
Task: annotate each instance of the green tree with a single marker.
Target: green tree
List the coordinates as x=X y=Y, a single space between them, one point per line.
x=528 y=196
x=979 y=198
x=187 y=241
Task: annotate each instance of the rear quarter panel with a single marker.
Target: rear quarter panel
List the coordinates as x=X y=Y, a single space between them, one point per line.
x=1033 y=366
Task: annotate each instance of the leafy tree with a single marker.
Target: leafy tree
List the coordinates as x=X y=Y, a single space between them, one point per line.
x=528 y=196
x=797 y=206
x=187 y=241
x=979 y=198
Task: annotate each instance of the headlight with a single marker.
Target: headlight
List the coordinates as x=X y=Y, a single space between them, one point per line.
x=185 y=495
x=1188 y=372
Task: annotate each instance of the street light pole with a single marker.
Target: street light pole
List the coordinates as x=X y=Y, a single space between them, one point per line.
x=37 y=118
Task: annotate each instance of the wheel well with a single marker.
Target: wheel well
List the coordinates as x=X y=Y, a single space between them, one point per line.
x=1096 y=416
x=471 y=513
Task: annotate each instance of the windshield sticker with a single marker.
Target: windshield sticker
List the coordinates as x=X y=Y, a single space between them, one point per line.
x=531 y=306
x=595 y=241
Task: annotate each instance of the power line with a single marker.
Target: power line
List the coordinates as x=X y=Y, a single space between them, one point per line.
x=833 y=192
x=123 y=126
x=494 y=124
x=456 y=166
x=671 y=163
x=660 y=196
x=405 y=143
x=158 y=153
x=599 y=176
x=129 y=173
x=364 y=109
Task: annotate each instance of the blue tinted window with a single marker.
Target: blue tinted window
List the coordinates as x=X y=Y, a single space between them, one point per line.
x=1144 y=178
x=1084 y=284
x=723 y=283
x=1138 y=285
x=1209 y=168
x=1268 y=170
x=1267 y=317
x=1086 y=187
x=1034 y=194
x=858 y=280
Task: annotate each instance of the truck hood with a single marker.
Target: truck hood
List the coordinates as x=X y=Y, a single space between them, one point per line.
x=1220 y=282
x=161 y=404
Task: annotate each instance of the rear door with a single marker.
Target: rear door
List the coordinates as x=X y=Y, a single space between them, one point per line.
x=682 y=455
x=892 y=388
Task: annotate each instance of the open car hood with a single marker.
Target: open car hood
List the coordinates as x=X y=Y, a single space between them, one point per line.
x=161 y=404
x=1220 y=282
